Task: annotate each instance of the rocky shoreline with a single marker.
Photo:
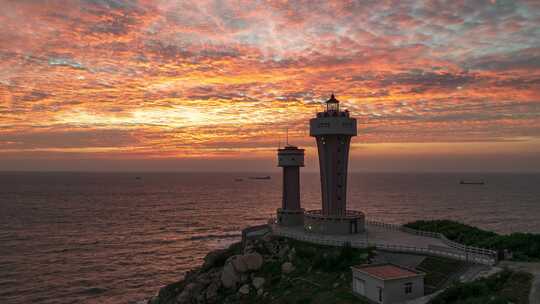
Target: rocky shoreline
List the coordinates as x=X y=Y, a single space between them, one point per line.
x=230 y=275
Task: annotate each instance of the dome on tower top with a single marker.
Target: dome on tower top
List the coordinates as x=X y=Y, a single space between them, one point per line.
x=332 y=99
x=332 y=104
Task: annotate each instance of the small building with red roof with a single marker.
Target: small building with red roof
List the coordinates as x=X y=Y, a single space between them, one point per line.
x=387 y=283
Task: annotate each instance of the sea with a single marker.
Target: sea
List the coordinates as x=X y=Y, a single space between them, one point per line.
x=119 y=237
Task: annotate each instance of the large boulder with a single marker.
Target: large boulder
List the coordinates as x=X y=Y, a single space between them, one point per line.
x=253 y=261
x=215 y=258
x=229 y=277
x=287 y=267
x=258 y=282
x=244 y=290
x=239 y=263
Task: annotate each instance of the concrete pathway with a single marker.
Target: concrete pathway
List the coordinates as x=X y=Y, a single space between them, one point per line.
x=379 y=235
x=534 y=268
x=477 y=271
x=383 y=235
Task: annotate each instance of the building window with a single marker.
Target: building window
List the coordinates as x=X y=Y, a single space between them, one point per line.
x=408 y=288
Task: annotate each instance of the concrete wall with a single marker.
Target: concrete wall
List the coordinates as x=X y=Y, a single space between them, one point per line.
x=336 y=226
x=290 y=218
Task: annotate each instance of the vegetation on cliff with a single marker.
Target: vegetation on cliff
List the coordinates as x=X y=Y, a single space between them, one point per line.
x=271 y=269
x=524 y=246
x=501 y=288
x=321 y=275
x=288 y=271
x=439 y=271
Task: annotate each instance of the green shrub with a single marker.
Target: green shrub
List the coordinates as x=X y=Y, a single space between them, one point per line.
x=504 y=287
x=525 y=246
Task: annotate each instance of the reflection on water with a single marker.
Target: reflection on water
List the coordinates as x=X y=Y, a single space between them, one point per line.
x=116 y=238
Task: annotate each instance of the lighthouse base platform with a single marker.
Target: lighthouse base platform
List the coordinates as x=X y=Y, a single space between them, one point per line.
x=290 y=217
x=352 y=222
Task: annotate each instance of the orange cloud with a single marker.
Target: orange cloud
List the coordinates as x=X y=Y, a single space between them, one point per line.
x=159 y=79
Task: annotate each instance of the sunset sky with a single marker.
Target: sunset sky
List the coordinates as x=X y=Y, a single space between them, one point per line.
x=212 y=85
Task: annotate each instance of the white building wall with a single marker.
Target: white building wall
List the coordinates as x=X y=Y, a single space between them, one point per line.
x=393 y=291
x=371 y=286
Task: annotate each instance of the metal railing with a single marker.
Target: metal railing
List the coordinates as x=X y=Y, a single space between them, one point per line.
x=455 y=250
x=442 y=237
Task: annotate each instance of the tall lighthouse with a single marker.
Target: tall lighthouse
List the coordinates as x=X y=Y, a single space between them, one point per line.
x=291 y=159
x=333 y=130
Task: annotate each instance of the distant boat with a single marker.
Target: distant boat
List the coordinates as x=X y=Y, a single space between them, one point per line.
x=238 y=179
x=260 y=177
x=138 y=177
x=463 y=182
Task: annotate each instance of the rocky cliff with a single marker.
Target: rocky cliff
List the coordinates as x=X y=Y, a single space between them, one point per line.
x=266 y=270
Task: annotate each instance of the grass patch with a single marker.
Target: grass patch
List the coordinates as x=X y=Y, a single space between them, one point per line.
x=504 y=287
x=525 y=246
x=438 y=271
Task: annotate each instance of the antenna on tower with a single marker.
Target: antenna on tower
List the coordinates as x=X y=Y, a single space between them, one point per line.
x=287 y=135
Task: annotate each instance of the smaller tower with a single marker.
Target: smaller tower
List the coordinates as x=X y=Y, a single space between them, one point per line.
x=291 y=213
